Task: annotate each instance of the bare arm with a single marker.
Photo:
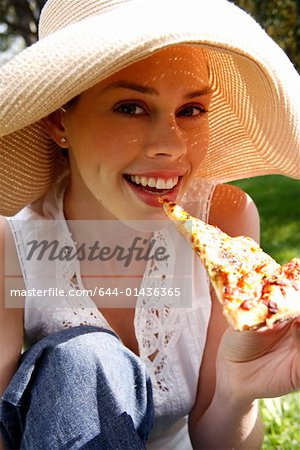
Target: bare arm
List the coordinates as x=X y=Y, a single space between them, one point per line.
x=218 y=420
x=11 y=329
x=11 y=325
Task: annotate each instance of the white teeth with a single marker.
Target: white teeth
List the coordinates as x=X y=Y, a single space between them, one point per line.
x=144 y=181
x=170 y=183
x=151 y=182
x=158 y=183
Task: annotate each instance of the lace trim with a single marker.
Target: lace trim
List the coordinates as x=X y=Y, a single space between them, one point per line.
x=83 y=308
x=157 y=323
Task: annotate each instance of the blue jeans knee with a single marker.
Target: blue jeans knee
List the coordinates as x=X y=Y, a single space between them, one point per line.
x=78 y=388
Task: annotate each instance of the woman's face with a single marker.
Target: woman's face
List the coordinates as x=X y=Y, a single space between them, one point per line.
x=139 y=134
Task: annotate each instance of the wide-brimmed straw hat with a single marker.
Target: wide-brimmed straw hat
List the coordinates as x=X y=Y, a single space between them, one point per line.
x=255 y=112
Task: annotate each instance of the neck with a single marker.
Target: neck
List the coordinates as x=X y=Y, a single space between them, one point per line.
x=80 y=204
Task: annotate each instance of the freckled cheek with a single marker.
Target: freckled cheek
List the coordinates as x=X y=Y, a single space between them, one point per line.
x=112 y=146
x=197 y=146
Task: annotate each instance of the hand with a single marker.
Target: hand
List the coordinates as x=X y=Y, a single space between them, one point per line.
x=257 y=364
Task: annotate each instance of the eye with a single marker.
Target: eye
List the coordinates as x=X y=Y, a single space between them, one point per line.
x=131 y=109
x=192 y=111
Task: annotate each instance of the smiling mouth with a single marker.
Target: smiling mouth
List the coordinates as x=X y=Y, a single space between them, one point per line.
x=153 y=185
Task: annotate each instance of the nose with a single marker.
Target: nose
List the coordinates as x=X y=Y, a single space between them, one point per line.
x=165 y=140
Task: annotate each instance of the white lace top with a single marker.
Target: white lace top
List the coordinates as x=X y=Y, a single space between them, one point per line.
x=174 y=332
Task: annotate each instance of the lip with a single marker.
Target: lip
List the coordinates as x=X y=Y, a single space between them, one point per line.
x=151 y=199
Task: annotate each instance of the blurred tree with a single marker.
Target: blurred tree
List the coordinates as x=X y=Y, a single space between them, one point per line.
x=281 y=20
x=297 y=31
x=18 y=18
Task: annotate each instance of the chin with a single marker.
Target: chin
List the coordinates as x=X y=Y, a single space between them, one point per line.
x=146 y=226
x=145 y=221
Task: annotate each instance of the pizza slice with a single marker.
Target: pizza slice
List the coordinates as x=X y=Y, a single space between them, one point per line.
x=253 y=288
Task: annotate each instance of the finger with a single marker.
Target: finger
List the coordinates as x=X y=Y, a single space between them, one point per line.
x=275 y=328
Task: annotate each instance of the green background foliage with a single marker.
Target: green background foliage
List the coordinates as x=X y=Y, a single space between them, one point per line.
x=278 y=201
x=281 y=20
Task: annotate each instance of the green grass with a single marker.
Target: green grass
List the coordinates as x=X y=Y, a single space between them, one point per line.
x=281 y=420
x=278 y=202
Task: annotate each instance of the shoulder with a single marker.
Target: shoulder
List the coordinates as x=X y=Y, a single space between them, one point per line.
x=4 y=232
x=10 y=269
x=2 y=239
x=234 y=212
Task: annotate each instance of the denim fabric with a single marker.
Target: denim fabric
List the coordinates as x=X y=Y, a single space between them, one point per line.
x=79 y=388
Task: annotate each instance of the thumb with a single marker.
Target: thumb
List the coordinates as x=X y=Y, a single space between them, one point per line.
x=240 y=346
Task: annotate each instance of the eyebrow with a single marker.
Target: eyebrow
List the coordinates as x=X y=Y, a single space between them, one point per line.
x=152 y=91
x=204 y=91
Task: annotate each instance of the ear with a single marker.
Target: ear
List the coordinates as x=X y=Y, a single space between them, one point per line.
x=55 y=128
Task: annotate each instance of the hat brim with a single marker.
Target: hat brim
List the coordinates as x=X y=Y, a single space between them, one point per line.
x=254 y=116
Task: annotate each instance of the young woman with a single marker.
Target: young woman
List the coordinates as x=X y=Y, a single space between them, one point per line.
x=121 y=103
